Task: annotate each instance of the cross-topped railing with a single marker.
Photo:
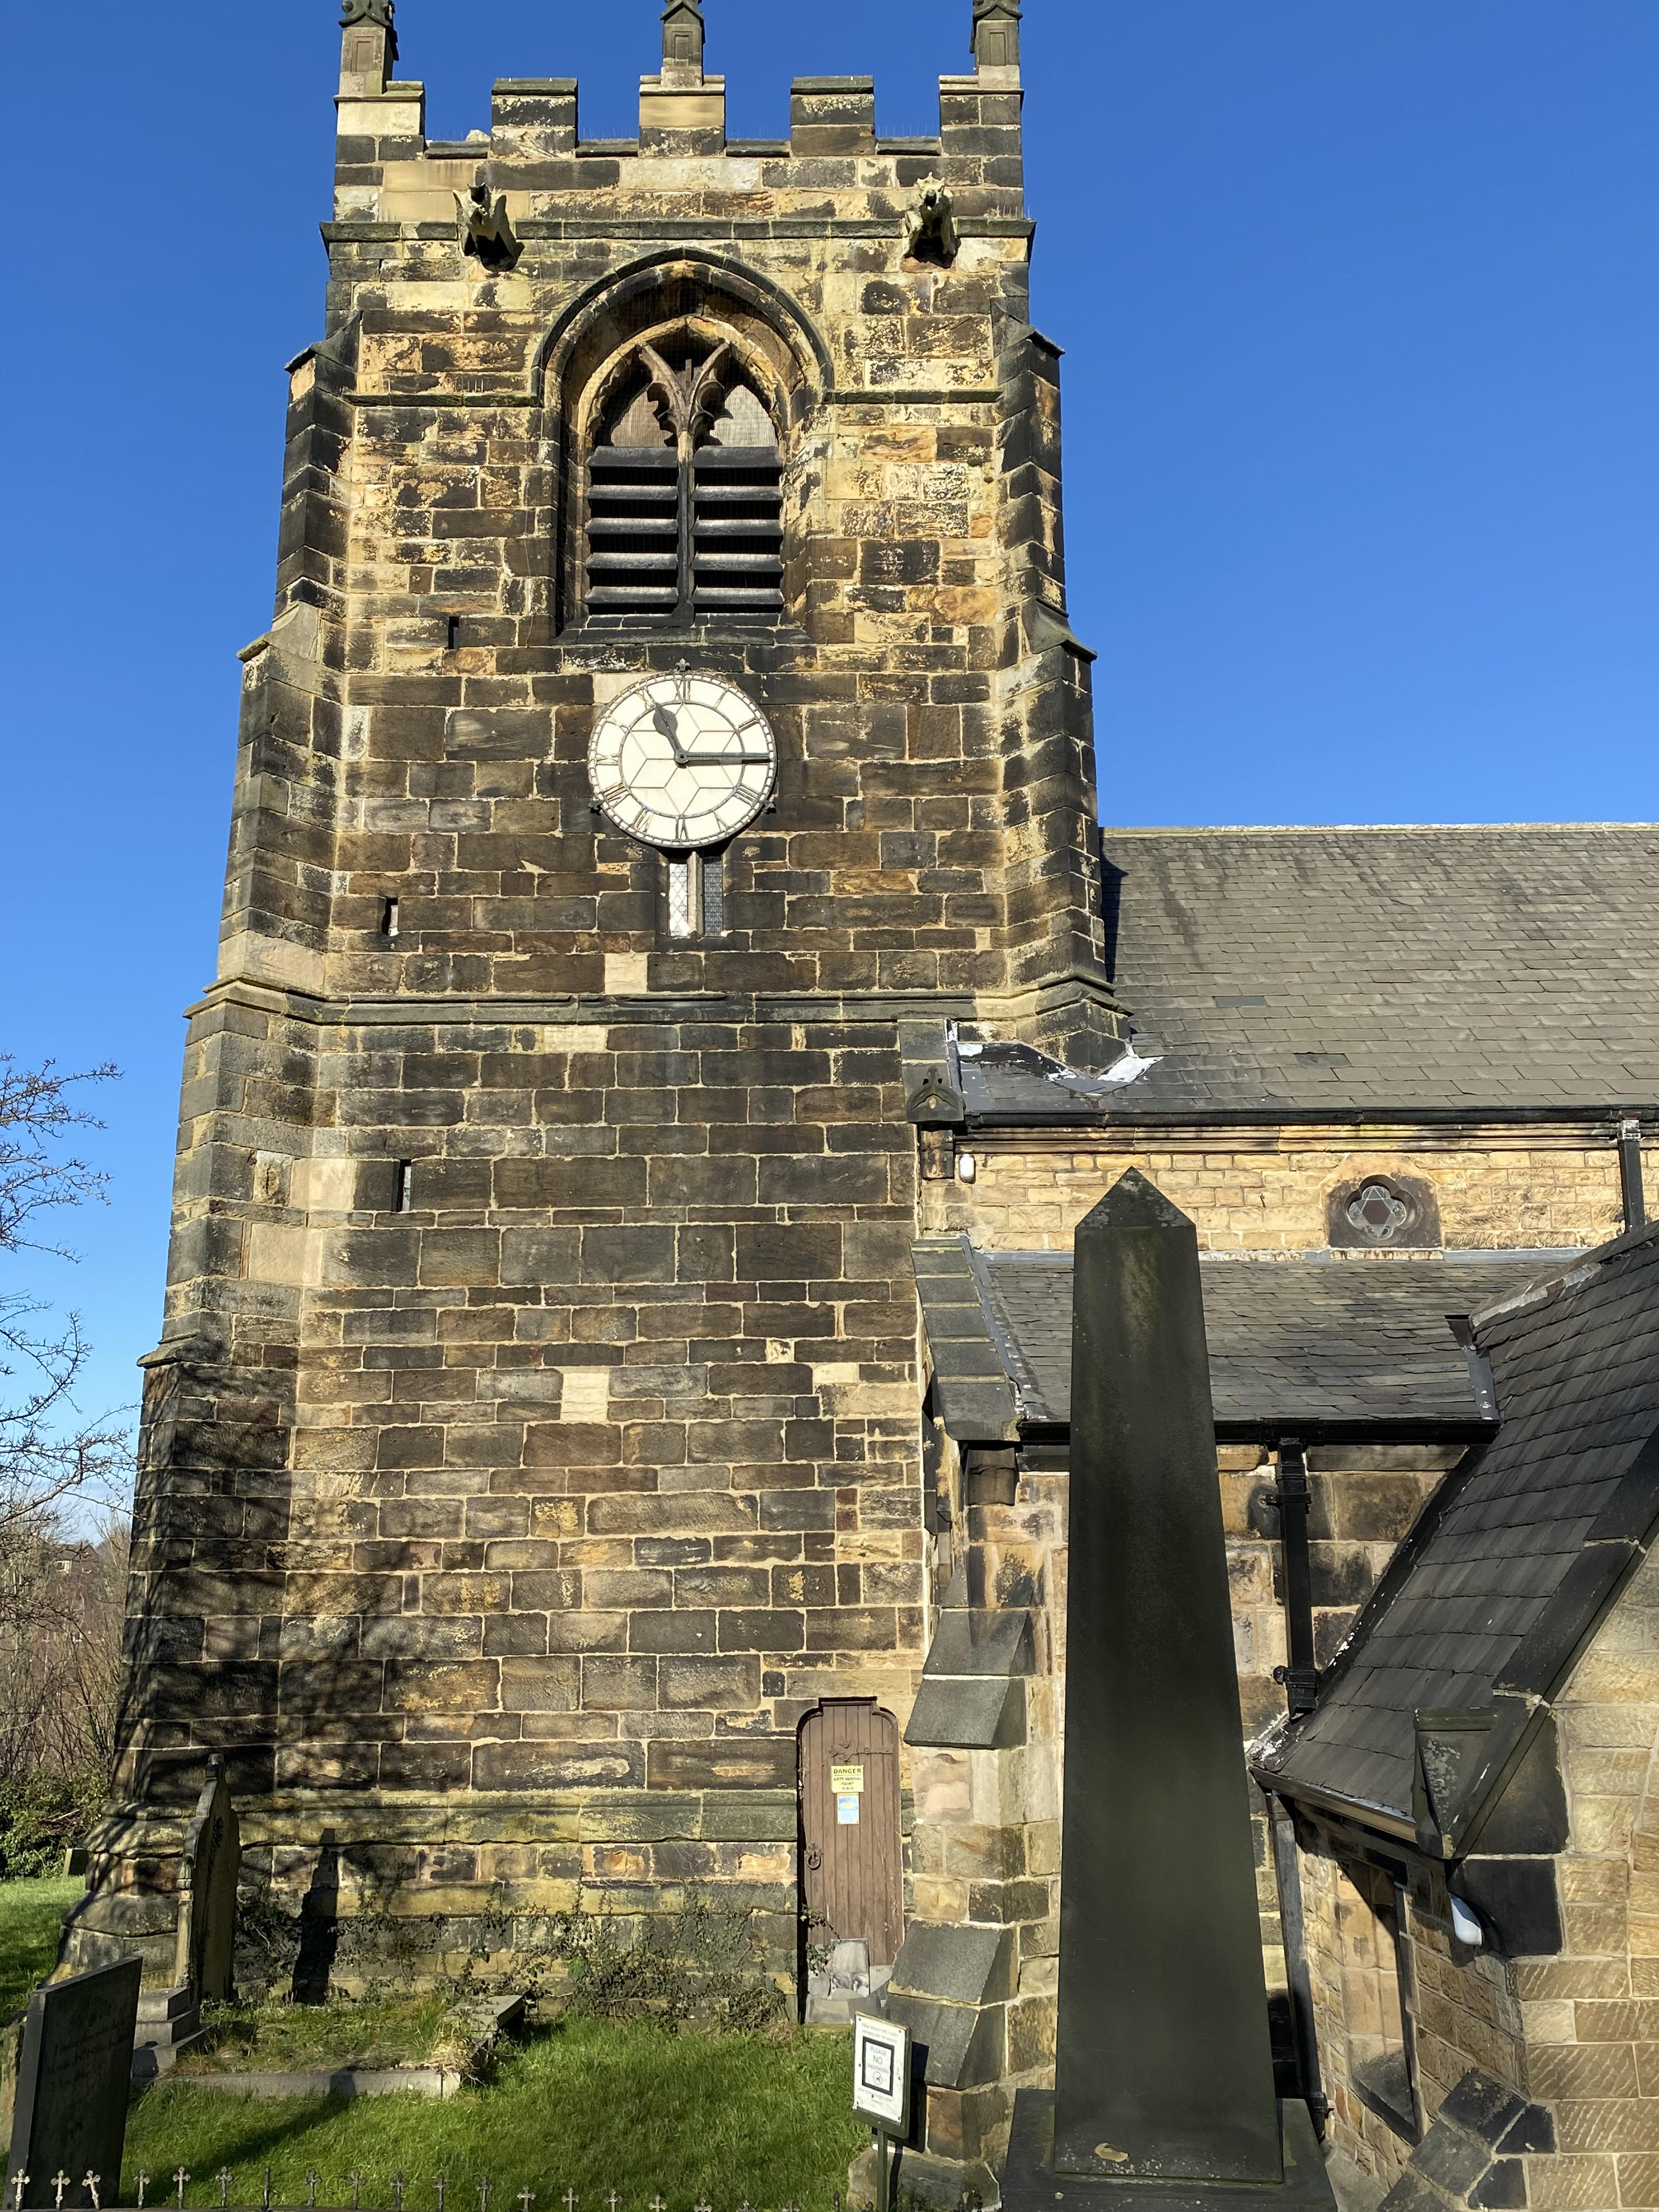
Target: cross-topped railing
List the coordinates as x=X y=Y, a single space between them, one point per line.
x=403 y=2195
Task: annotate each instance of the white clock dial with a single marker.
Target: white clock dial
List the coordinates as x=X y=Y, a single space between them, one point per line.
x=682 y=762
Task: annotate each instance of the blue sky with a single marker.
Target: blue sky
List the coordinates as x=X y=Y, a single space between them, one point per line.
x=1359 y=305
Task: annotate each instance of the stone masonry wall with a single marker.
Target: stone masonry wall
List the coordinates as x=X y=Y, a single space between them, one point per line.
x=984 y=1851
x=1523 y=1187
x=1578 y=2033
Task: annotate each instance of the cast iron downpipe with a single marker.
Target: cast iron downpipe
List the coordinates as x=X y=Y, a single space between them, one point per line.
x=1301 y=1676
x=1629 y=1174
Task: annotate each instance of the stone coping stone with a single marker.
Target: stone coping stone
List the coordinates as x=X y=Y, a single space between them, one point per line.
x=981 y=1713
x=955 y=1964
x=334 y=2081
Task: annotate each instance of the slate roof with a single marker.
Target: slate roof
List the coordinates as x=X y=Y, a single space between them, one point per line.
x=1417 y=969
x=1317 y=1346
x=1515 y=1560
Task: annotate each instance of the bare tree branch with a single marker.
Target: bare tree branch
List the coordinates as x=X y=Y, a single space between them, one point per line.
x=35 y=1112
x=62 y=1603
x=42 y=1460
x=62 y=1596
x=47 y=1448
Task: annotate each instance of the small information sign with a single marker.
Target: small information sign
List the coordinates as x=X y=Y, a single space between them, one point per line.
x=847 y=1811
x=846 y=1781
x=881 y=2073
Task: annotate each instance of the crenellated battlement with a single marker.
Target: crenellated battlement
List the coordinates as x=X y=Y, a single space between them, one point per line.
x=534 y=153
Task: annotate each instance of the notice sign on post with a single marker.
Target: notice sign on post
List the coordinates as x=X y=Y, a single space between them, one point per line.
x=881 y=2073
x=847 y=1782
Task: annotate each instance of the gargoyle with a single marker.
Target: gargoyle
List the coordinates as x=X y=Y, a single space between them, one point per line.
x=930 y=233
x=486 y=232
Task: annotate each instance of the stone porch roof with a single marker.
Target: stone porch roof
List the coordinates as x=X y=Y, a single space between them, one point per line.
x=1501 y=1585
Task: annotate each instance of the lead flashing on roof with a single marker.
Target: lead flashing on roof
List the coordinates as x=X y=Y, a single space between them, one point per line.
x=1368 y=829
x=1577 y=1268
x=1283 y=1114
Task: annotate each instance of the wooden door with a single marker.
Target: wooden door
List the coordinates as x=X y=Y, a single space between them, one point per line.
x=851 y=1872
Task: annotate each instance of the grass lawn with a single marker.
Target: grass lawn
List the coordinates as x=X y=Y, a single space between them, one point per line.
x=589 y=2106
x=31 y=1918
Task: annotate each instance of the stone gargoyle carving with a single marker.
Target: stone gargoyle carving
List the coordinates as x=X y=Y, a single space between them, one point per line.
x=486 y=232
x=930 y=233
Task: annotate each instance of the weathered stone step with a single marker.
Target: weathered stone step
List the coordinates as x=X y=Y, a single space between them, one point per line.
x=169 y=2024
x=158 y=2006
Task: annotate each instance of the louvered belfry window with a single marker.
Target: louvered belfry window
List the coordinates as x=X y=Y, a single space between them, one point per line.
x=684 y=493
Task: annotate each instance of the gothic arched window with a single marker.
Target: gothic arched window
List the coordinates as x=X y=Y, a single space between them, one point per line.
x=684 y=487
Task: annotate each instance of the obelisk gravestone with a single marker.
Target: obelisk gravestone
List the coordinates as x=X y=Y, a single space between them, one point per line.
x=1163 y=2085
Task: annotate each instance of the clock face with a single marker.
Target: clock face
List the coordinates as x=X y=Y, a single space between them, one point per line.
x=681 y=760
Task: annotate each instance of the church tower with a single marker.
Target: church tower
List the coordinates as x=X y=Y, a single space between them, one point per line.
x=668 y=727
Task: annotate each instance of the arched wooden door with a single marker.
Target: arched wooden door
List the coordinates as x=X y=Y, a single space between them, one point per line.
x=851 y=1867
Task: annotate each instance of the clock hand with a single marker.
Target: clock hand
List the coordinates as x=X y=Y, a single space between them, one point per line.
x=726 y=760
x=664 y=722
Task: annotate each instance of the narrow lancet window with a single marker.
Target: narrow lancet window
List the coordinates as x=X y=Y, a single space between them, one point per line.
x=696 y=903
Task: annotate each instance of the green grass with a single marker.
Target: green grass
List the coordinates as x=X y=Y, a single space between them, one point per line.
x=380 y=2031
x=591 y=2106
x=30 y=1921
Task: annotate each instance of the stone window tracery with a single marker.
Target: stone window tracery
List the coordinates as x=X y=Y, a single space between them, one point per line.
x=684 y=487
x=1378 y=1213
x=1383 y=1213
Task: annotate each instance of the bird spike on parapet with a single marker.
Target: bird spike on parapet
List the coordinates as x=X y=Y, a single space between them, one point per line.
x=683 y=30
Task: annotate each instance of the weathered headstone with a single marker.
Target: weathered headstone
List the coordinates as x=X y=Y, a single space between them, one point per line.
x=1163 y=2084
x=70 y=2112
x=208 y=1874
